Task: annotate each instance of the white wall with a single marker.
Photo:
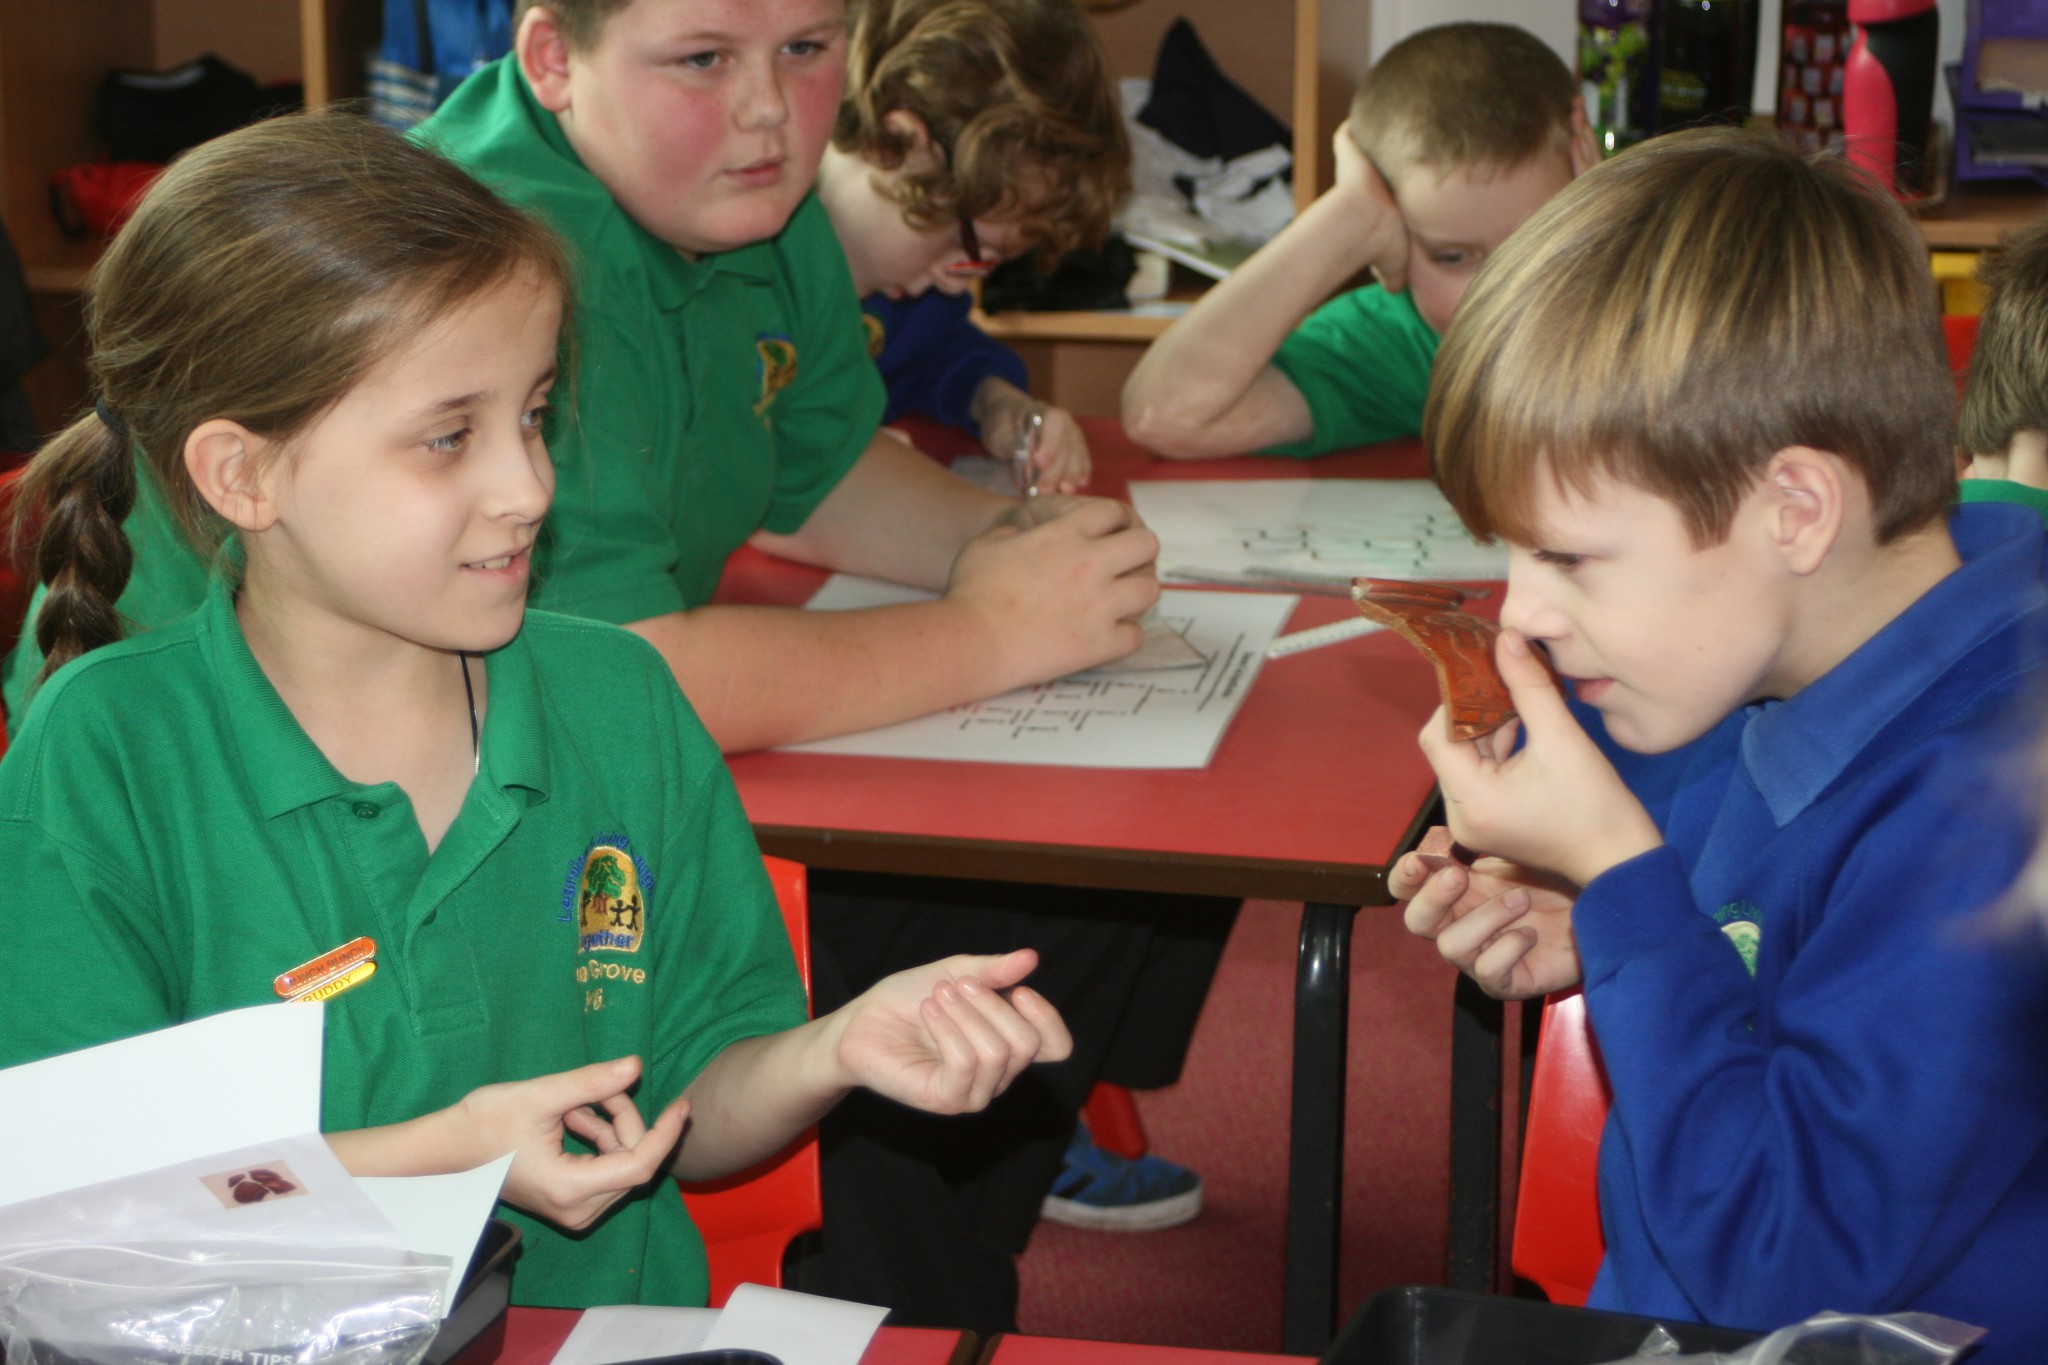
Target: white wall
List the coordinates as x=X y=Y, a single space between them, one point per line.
x=1556 y=22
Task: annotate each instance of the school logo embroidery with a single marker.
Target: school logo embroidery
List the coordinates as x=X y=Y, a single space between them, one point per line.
x=877 y=337
x=1742 y=922
x=606 y=892
x=778 y=368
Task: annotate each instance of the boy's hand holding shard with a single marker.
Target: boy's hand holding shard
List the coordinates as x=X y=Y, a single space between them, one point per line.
x=1429 y=616
x=1553 y=802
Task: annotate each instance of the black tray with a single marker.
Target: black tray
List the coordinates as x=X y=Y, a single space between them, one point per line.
x=474 y=1330
x=1421 y=1326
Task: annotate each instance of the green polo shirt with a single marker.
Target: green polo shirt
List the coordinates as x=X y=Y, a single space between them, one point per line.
x=709 y=399
x=713 y=398
x=599 y=894
x=1362 y=361
x=2004 y=490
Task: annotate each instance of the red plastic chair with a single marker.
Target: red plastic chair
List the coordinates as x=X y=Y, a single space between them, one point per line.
x=1558 y=1244
x=1112 y=1118
x=748 y=1219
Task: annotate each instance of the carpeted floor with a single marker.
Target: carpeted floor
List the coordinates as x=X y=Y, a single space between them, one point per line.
x=1216 y=1282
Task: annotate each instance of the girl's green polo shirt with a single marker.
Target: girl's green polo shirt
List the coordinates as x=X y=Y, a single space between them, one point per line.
x=173 y=840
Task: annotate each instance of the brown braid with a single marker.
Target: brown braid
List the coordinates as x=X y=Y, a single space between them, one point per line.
x=80 y=489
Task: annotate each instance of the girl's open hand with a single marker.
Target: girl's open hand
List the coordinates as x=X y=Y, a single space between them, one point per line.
x=530 y=1118
x=950 y=1036
x=1555 y=804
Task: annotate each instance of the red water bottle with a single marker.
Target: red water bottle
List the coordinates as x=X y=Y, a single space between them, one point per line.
x=1888 y=91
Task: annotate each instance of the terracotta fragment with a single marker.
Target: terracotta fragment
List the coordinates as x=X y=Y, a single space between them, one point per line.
x=1429 y=616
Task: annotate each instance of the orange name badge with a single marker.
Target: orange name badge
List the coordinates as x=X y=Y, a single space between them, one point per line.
x=339 y=968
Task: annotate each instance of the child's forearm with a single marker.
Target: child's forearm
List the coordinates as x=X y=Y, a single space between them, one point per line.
x=758 y=1094
x=1198 y=382
x=432 y=1144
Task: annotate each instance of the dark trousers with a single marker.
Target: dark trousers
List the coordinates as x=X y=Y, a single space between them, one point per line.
x=926 y=1214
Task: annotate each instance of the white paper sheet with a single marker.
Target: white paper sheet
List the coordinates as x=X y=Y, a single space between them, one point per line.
x=213 y=1085
x=1169 y=718
x=1164 y=646
x=797 y=1329
x=1358 y=528
x=608 y=1336
x=440 y=1215
x=134 y=1136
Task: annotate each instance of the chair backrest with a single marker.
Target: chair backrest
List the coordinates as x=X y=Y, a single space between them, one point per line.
x=748 y=1219
x=1558 y=1244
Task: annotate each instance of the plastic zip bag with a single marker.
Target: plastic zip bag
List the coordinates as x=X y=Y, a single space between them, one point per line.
x=1832 y=1339
x=142 y=1304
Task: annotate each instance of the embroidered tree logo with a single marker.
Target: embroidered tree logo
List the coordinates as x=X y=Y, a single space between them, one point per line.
x=610 y=913
x=603 y=879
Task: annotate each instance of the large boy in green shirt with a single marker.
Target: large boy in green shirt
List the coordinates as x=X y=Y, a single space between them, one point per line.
x=1456 y=136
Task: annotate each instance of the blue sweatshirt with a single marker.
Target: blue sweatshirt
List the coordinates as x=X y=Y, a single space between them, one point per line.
x=933 y=358
x=1830 y=1075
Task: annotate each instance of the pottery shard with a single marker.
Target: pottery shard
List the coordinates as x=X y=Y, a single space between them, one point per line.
x=1429 y=616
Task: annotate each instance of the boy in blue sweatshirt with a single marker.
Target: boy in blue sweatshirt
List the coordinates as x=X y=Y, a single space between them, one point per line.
x=1702 y=397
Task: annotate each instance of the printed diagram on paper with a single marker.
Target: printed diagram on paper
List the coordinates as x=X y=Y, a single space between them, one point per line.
x=1353 y=528
x=1104 y=718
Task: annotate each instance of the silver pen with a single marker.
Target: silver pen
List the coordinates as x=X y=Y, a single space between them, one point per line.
x=1023 y=458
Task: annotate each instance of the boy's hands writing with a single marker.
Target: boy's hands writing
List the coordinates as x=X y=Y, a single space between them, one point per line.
x=1058 y=586
x=1061 y=455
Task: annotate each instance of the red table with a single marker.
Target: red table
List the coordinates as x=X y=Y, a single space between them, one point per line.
x=533 y=1335
x=1315 y=789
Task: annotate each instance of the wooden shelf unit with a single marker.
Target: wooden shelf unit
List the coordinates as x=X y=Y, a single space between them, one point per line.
x=53 y=55
x=1301 y=59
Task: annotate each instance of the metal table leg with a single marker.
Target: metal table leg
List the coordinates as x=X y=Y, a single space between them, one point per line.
x=1476 y=1025
x=1315 y=1169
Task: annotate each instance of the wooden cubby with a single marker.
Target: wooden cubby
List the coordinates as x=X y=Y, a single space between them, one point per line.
x=1301 y=59
x=53 y=55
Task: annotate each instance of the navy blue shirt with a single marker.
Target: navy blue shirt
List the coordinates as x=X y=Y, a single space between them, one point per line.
x=933 y=357
x=1830 y=1073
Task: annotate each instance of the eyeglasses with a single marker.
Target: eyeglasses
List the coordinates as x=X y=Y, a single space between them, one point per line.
x=976 y=265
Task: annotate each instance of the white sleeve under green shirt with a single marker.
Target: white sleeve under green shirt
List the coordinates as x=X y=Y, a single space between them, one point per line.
x=1362 y=362
x=599 y=895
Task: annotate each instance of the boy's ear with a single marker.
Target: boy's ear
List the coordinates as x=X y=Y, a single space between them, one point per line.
x=542 y=50
x=228 y=465
x=1809 y=492
x=917 y=138
x=1583 y=148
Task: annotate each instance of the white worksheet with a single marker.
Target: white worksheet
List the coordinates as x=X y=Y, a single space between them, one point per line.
x=1163 y=718
x=1321 y=528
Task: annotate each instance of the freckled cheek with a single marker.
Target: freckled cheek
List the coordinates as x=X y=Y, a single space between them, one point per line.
x=814 y=103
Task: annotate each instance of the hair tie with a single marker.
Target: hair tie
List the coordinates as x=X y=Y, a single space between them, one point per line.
x=108 y=419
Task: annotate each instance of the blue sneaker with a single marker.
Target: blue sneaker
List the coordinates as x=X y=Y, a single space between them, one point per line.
x=1110 y=1193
